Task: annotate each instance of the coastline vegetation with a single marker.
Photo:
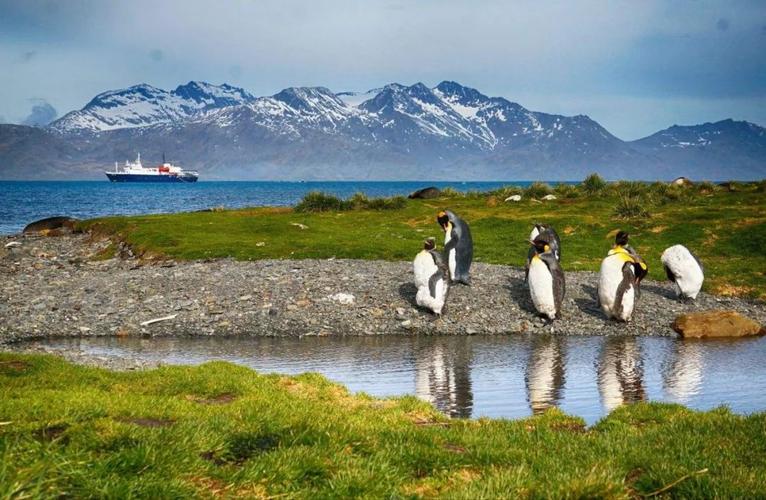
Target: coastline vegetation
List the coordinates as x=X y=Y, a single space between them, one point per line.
x=725 y=225
x=222 y=430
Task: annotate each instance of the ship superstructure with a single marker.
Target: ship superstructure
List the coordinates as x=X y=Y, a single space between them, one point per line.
x=136 y=172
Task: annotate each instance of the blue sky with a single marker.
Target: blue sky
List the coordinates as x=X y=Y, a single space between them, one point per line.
x=635 y=67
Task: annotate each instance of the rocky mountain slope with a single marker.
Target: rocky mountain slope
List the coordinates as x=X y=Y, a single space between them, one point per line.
x=395 y=132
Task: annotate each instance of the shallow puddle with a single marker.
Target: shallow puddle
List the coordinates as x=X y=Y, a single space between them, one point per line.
x=494 y=376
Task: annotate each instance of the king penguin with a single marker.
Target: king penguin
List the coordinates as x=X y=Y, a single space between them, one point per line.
x=431 y=278
x=617 y=284
x=640 y=269
x=550 y=235
x=546 y=280
x=458 y=246
x=684 y=269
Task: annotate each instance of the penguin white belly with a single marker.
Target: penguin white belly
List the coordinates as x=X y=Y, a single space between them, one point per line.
x=424 y=299
x=610 y=277
x=541 y=288
x=424 y=267
x=451 y=256
x=452 y=261
x=628 y=301
x=687 y=271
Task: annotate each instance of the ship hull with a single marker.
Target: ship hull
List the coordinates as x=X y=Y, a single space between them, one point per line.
x=149 y=178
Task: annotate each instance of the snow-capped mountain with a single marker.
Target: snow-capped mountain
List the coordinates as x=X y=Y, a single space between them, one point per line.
x=395 y=132
x=710 y=146
x=143 y=105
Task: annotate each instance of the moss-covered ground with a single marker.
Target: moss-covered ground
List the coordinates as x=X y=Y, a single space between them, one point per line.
x=221 y=430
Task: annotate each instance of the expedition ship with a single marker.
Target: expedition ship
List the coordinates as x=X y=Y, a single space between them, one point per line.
x=136 y=172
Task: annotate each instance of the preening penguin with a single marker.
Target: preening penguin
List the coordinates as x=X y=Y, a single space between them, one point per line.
x=640 y=269
x=458 y=246
x=684 y=269
x=431 y=278
x=617 y=284
x=546 y=279
x=548 y=234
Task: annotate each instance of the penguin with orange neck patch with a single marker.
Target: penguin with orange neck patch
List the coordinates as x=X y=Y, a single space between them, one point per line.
x=458 y=246
x=618 y=280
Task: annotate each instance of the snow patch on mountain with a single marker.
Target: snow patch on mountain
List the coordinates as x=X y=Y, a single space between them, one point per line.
x=143 y=105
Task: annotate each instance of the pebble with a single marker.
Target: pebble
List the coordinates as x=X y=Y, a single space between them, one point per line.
x=290 y=298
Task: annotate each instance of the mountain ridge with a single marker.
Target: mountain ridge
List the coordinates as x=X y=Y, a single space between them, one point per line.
x=394 y=132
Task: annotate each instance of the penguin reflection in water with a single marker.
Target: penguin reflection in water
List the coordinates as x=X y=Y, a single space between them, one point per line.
x=621 y=272
x=458 y=246
x=431 y=278
x=548 y=234
x=546 y=279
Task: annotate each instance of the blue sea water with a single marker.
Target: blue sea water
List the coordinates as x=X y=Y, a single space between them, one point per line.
x=22 y=202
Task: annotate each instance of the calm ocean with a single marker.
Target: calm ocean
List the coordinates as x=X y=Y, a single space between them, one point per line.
x=22 y=202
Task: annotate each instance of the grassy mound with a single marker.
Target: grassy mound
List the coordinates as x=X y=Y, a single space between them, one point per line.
x=224 y=430
x=724 y=225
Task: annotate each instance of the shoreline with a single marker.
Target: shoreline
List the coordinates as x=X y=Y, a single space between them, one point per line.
x=53 y=287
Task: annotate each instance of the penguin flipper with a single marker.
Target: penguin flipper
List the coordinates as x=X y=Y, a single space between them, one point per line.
x=559 y=283
x=669 y=273
x=432 y=281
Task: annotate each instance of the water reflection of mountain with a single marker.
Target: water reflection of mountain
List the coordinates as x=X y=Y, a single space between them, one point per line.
x=545 y=372
x=682 y=375
x=443 y=375
x=620 y=369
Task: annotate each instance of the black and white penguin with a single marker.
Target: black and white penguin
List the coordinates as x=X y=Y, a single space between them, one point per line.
x=549 y=234
x=431 y=278
x=458 y=246
x=617 y=284
x=640 y=269
x=684 y=269
x=546 y=280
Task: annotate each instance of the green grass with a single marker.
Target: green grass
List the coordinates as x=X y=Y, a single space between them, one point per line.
x=224 y=430
x=726 y=229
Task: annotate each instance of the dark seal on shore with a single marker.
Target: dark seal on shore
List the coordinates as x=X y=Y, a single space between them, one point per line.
x=51 y=226
x=425 y=193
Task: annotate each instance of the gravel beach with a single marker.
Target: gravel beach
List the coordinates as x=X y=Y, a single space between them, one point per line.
x=52 y=286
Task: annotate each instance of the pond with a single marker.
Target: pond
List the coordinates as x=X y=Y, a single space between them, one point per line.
x=492 y=376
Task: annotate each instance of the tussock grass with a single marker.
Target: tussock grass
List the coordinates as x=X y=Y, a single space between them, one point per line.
x=72 y=431
x=593 y=184
x=567 y=191
x=631 y=206
x=322 y=202
x=538 y=190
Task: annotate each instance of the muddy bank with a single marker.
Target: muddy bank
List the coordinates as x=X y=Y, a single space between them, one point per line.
x=53 y=286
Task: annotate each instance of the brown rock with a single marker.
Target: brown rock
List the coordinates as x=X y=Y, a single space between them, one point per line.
x=716 y=324
x=52 y=226
x=425 y=193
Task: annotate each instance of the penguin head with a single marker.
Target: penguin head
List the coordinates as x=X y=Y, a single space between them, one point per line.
x=429 y=244
x=443 y=220
x=621 y=239
x=540 y=245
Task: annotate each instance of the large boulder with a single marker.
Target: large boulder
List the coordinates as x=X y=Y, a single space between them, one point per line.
x=52 y=226
x=716 y=324
x=425 y=193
